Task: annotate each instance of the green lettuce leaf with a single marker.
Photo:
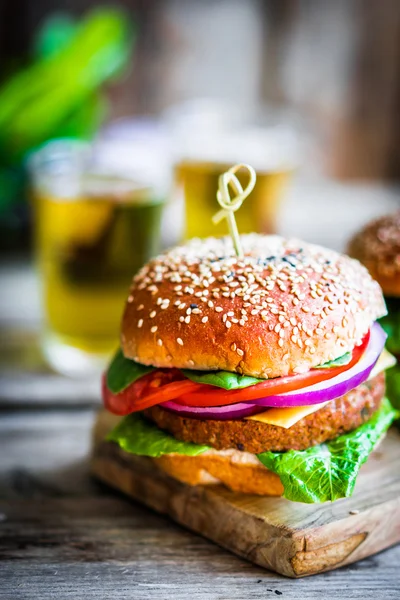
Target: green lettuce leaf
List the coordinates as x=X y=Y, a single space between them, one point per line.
x=338 y=362
x=391 y=325
x=137 y=435
x=222 y=379
x=329 y=471
x=124 y=371
x=393 y=385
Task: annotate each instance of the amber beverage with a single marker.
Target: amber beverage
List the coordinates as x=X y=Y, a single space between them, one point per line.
x=89 y=243
x=198 y=182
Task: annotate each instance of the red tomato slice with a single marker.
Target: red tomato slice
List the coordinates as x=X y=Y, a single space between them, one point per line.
x=209 y=396
x=152 y=389
x=160 y=386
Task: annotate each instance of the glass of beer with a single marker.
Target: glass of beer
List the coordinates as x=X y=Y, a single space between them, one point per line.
x=94 y=229
x=196 y=178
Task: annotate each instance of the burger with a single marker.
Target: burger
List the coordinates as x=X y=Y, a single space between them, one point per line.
x=377 y=246
x=264 y=373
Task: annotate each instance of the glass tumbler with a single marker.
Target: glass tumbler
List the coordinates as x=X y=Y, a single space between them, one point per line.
x=95 y=226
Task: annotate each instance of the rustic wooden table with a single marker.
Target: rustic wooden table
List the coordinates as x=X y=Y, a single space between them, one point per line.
x=63 y=535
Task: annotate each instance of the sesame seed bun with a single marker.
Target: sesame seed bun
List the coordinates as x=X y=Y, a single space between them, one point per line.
x=284 y=308
x=377 y=246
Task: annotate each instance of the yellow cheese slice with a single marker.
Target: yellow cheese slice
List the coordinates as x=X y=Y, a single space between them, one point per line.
x=385 y=361
x=287 y=417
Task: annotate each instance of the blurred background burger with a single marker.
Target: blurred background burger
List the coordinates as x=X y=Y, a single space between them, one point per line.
x=377 y=246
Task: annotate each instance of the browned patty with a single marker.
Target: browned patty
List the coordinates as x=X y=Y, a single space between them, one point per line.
x=337 y=417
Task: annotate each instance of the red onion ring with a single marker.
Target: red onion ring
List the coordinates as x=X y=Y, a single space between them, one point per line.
x=221 y=413
x=313 y=394
x=337 y=386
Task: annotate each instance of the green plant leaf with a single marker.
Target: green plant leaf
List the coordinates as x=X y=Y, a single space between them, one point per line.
x=54 y=34
x=329 y=471
x=222 y=379
x=137 y=435
x=36 y=101
x=124 y=371
x=338 y=362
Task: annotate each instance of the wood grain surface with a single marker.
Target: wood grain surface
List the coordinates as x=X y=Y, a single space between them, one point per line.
x=62 y=535
x=293 y=539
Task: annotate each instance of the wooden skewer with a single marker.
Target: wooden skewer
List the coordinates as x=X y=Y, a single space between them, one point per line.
x=230 y=205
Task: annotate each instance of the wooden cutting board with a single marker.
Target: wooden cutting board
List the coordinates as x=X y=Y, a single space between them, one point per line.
x=290 y=538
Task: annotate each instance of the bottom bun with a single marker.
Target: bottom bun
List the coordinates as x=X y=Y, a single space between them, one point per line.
x=239 y=471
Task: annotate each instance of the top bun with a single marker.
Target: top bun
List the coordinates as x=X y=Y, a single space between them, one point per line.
x=377 y=246
x=284 y=308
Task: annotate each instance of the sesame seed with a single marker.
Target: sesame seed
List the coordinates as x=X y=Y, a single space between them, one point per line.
x=152 y=314
x=233 y=347
x=240 y=352
x=154 y=329
x=280 y=342
x=140 y=307
x=140 y=323
x=228 y=324
x=180 y=341
x=181 y=319
x=187 y=319
x=300 y=369
x=218 y=309
x=159 y=342
x=204 y=320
